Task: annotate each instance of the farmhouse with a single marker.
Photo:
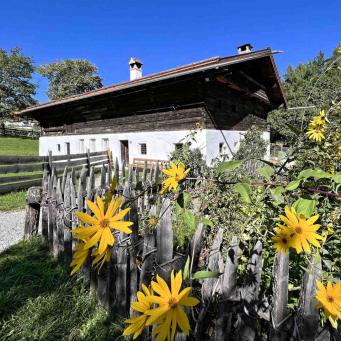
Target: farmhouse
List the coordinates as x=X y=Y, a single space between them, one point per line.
x=148 y=117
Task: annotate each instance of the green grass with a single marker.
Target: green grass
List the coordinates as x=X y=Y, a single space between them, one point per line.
x=18 y=146
x=39 y=301
x=13 y=201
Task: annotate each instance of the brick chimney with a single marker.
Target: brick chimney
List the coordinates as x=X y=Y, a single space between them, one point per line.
x=135 y=68
x=245 y=48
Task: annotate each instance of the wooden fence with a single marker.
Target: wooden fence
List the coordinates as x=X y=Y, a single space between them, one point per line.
x=229 y=311
x=15 y=132
x=22 y=172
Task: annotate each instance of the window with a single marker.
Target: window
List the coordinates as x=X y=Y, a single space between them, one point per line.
x=143 y=148
x=81 y=146
x=92 y=145
x=221 y=147
x=58 y=147
x=105 y=144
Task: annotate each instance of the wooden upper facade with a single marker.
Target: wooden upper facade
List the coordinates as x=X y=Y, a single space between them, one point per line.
x=228 y=93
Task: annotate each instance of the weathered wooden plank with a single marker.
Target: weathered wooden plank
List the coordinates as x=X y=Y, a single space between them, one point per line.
x=16 y=168
x=44 y=206
x=196 y=245
x=19 y=186
x=214 y=264
x=64 y=178
x=149 y=252
x=19 y=178
x=58 y=240
x=308 y=316
x=54 y=215
x=82 y=189
x=69 y=206
x=227 y=293
x=164 y=240
x=77 y=156
x=279 y=314
x=51 y=211
x=117 y=171
x=33 y=201
x=9 y=160
x=247 y=325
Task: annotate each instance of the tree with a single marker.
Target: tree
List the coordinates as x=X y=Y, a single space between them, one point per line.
x=16 y=87
x=70 y=77
x=314 y=84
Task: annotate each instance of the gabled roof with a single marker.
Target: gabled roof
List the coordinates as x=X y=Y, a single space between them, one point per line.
x=211 y=63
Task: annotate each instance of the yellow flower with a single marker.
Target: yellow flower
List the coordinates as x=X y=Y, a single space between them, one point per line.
x=339 y=49
x=101 y=224
x=79 y=257
x=176 y=174
x=329 y=299
x=170 y=307
x=282 y=240
x=101 y=258
x=301 y=230
x=317 y=127
x=142 y=305
x=152 y=221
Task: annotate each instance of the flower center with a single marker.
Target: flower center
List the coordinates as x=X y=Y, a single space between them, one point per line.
x=284 y=241
x=330 y=299
x=177 y=178
x=298 y=229
x=104 y=223
x=172 y=302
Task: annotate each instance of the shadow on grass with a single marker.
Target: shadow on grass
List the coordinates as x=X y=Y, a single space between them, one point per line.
x=39 y=301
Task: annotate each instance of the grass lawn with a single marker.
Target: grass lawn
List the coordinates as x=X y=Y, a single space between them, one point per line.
x=13 y=201
x=18 y=146
x=39 y=301
x=22 y=147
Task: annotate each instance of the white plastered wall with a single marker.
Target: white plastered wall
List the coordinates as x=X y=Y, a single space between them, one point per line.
x=159 y=144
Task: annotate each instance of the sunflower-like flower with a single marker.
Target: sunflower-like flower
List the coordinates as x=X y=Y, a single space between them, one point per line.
x=176 y=173
x=302 y=231
x=79 y=257
x=282 y=240
x=101 y=224
x=170 y=307
x=329 y=299
x=101 y=258
x=138 y=323
x=317 y=127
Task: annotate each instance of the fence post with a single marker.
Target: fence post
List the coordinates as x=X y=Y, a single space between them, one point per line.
x=164 y=240
x=33 y=201
x=280 y=296
x=44 y=206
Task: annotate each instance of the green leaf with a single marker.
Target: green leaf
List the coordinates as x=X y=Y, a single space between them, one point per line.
x=266 y=171
x=183 y=199
x=186 y=268
x=190 y=219
x=276 y=194
x=305 y=206
x=207 y=222
x=314 y=173
x=244 y=190
x=337 y=178
x=205 y=274
x=292 y=185
x=228 y=165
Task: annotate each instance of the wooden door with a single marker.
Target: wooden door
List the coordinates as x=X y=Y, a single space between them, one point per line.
x=125 y=151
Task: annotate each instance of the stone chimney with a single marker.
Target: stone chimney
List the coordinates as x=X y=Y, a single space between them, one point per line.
x=245 y=48
x=135 y=68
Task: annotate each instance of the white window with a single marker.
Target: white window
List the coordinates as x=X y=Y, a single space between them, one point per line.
x=81 y=146
x=58 y=147
x=143 y=148
x=221 y=147
x=92 y=145
x=105 y=144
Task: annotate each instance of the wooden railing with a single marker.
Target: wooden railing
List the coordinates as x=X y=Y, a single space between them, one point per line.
x=22 y=172
x=149 y=163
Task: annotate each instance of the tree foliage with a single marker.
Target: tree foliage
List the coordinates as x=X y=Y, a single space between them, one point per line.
x=314 y=84
x=16 y=87
x=70 y=77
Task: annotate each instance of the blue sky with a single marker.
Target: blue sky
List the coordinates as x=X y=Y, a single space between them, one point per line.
x=165 y=34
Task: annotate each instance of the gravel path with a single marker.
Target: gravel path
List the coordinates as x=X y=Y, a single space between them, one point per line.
x=11 y=228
